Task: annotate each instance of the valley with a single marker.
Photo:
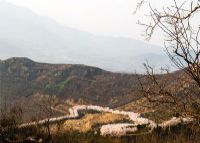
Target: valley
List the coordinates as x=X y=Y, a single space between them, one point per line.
x=83 y=100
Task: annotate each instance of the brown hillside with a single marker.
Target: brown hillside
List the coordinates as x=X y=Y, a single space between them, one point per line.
x=21 y=77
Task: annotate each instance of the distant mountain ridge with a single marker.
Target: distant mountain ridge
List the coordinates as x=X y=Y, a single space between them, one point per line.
x=26 y=34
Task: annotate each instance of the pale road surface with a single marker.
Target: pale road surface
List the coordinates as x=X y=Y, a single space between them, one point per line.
x=112 y=129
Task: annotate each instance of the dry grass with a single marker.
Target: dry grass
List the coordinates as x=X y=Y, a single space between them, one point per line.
x=153 y=111
x=87 y=122
x=139 y=106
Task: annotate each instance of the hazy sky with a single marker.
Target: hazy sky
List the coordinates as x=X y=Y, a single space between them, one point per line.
x=100 y=17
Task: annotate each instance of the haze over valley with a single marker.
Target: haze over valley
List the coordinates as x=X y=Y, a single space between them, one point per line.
x=26 y=34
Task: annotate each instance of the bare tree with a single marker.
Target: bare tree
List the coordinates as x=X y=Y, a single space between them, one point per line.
x=182 y=45
x=11 y=117
x=47 y=108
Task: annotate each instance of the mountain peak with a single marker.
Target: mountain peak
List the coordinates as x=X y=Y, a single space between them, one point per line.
x=18 y=60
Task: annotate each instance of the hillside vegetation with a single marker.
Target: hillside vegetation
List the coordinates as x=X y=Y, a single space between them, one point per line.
x=21 y=77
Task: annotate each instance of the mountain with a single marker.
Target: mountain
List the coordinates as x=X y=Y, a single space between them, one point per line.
x=26 y=34
x=29 y=84
x=22 y=77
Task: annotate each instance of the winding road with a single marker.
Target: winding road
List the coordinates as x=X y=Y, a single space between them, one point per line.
x=111 y=129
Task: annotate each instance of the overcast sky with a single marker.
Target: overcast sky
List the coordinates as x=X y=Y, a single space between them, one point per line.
x=100 y=17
